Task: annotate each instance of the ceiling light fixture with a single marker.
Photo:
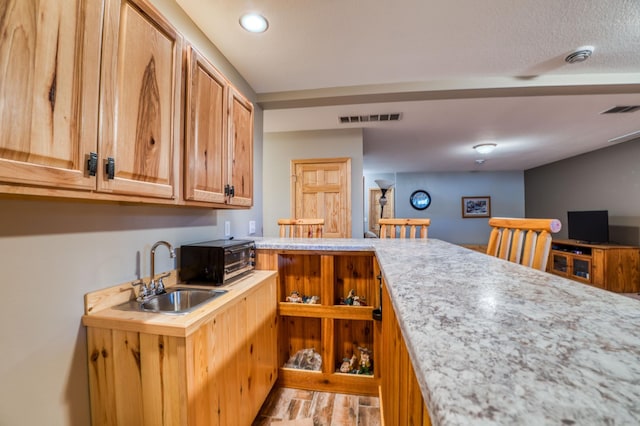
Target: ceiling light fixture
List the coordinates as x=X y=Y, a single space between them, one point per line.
x=254 y=22
x=485 y=148
x=581 y=54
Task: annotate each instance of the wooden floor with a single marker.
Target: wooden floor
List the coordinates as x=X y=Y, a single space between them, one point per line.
x=632 y=295
x=286 y=406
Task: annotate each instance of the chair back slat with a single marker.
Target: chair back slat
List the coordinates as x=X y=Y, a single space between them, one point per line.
x=523 y=241
x=397 y=228
x=301 y=228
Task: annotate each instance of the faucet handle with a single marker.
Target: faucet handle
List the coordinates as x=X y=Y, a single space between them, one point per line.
x=144 y=291
x=160 y=287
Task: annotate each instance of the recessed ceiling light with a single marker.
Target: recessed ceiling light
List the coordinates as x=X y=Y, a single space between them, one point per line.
x=254 y=23
x=485 y=148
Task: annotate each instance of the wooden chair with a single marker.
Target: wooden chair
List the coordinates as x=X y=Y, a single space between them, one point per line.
x=389 y=228
x=301 y=228
x=523 y=241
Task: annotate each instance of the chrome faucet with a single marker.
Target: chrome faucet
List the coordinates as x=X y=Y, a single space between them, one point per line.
x=158 y=288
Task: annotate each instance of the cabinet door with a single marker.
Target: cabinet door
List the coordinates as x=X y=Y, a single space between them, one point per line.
x=49 y=57
x=598 y=267
x=241 y=149
x=581 y=268
x=205 y=133
x=559 y=263
x=140 y=94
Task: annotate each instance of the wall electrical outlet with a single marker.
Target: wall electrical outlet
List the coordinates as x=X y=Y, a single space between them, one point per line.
x=252 y=227
x=227 y=228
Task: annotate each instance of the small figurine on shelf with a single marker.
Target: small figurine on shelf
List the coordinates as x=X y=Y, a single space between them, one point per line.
x=294 y=297
x=365 y=361
x=345 y=367
x=359 y=301
x=352 y=299
x=305 y=359
x=311 y=300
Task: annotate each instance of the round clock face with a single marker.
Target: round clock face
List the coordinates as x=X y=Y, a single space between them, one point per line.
x=420 y=199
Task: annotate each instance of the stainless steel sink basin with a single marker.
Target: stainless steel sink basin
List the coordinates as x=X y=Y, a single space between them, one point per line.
x=180 y=300
x=177 y=300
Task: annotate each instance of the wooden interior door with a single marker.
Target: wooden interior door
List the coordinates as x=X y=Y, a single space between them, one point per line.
x=321 y=188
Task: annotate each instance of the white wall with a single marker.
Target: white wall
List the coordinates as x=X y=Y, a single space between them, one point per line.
x=506 y=190
x=281 y=148
x=53 y=252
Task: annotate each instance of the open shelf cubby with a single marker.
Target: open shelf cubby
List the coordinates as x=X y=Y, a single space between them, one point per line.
x=335 y=331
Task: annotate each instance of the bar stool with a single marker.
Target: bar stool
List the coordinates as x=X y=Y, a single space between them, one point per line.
x=301 y=228
x=521 y=240
x=389 y=228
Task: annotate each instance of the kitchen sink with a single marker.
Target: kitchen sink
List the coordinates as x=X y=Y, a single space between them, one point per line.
x=177 y=300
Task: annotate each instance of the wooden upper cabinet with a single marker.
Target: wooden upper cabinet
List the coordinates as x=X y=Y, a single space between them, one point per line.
x=218 y=156
x=205 y=166
x=49 y=57
x=241 y=149
x=91 y=107
x=139 y=101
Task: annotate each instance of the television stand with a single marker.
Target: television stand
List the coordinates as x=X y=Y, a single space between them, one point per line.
x=608 y=266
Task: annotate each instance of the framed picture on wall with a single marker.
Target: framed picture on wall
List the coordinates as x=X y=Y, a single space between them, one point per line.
x=476 y=207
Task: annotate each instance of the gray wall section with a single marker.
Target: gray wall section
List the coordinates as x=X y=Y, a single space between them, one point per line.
x=506 y=190
x=606 y=179
x=53 y=252
x=282 y=147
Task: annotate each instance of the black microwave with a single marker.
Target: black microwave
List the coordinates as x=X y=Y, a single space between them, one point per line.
x=216 y=262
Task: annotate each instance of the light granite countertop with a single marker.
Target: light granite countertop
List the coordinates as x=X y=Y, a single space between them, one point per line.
x=495 y=343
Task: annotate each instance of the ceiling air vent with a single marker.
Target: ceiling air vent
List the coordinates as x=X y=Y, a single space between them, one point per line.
x=395 y=116
x=621 y=109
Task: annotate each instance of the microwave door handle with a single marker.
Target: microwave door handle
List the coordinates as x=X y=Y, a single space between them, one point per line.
x=234 y=250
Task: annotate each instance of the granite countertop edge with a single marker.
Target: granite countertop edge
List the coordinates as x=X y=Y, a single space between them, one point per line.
x=496 y=343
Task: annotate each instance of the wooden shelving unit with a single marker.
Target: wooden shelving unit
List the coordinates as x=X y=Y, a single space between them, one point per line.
x=611 y=267
x=334 y=331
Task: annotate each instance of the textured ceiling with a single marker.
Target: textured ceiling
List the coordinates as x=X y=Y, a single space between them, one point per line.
x=460 y=72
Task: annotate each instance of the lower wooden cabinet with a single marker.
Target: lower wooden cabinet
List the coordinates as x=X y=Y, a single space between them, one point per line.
x=610 y=267
x=335 y=332
x=220 y=374
x=400 y=395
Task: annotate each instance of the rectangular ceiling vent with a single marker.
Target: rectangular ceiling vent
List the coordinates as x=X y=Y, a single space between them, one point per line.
x=622 y=109
x=345 y=119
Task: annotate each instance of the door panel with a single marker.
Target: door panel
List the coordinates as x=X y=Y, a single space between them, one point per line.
x=141 y=66
x=49 y=57
x=322 y=189
x=206 y=143
x=241 y=140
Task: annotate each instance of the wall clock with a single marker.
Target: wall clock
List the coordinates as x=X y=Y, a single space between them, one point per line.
x=420 y=199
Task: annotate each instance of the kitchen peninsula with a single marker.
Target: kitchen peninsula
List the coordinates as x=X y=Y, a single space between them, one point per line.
x=493 y=342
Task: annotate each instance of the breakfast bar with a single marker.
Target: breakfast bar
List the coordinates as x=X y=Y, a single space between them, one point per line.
x=496 y=343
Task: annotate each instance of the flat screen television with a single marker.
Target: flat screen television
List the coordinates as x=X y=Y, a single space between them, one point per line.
x=588 y=226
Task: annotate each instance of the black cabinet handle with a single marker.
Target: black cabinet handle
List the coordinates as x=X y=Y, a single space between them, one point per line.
x=110 y=168
x=92 y=164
